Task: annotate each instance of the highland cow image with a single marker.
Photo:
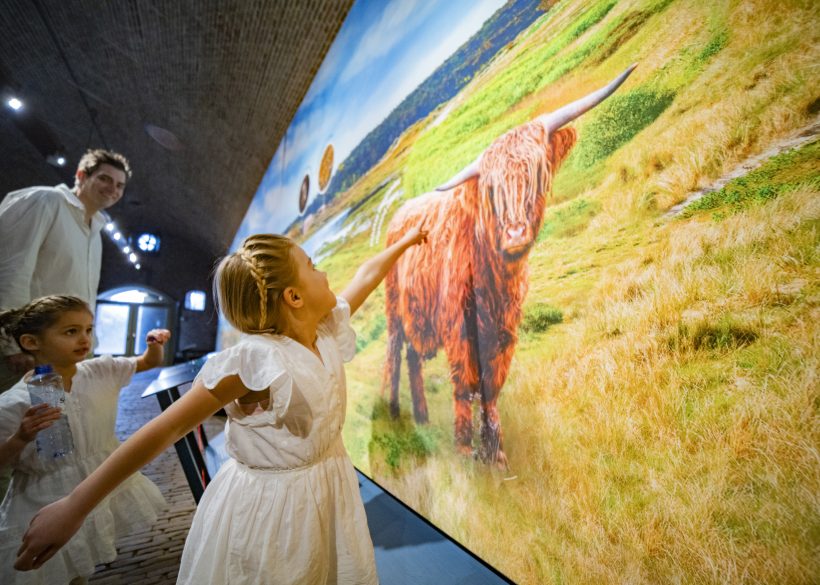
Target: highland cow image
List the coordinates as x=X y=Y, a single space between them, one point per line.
x=464 y=291
x=602 y=366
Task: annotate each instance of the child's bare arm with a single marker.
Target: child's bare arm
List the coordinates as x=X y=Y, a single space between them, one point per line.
x=373 y=271
x=56 y=523
x=35 y=419
x=155 y=340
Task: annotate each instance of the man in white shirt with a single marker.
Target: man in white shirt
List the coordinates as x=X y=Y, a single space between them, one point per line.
x=50 y=242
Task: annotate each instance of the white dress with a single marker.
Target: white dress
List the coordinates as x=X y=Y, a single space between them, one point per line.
x=285 y=508
x=91 y=407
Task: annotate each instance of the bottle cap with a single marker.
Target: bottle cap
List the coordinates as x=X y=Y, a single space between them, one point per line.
x=43 y=369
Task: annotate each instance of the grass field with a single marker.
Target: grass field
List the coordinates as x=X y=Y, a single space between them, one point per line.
x=661 y=414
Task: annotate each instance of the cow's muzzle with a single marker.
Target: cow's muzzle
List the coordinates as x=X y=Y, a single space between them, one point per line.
x=516 y=239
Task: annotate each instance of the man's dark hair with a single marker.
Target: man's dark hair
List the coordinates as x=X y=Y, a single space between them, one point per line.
x=93 y=158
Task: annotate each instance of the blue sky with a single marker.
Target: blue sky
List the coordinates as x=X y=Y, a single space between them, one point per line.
x=383 y=51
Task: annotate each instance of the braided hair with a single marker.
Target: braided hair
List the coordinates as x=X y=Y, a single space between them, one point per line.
x=249 y=283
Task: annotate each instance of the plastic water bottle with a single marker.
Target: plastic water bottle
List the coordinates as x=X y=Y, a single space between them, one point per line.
x=46 y=385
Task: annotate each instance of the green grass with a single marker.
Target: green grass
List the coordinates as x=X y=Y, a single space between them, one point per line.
x=374 y=330
x=394 y=440
x=568 y=220
x=725 y=334
x=617 y=121
x=443 y=150
x=783 y=173
x=539 y=317
x=713 y=47
x=490 y=111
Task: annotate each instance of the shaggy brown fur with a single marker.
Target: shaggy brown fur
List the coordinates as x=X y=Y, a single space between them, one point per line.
x=463 y=291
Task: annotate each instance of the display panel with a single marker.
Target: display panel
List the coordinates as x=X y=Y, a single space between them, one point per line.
x=602 y=366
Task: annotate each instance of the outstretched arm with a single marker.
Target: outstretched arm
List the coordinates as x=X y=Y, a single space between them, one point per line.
x=373 y=271
x=154 y=350
x=56 y=523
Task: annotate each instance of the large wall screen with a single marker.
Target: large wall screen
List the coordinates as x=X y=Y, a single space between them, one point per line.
x=603 y=365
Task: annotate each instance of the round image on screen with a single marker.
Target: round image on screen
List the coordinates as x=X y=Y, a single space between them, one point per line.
x=326 y=167
x=303 y=193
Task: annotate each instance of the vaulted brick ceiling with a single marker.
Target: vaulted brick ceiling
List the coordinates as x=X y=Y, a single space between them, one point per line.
x=225 y=77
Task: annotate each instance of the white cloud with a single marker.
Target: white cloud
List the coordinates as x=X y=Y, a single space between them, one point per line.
x=398 y=20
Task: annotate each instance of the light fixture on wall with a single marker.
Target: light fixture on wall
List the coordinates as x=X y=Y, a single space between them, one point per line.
x=195 y=300
x=148 y=242
x=14 y=103
x=121 y=242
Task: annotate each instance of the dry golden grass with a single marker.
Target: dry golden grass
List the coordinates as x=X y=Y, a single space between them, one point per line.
x=638 y=457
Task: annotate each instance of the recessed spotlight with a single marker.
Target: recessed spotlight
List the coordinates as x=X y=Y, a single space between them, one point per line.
x=132 y=258
x=57 y=159
x=109 y=226
x=137 y=266
x=14 y=104
x=126 y=250
x=117 y=236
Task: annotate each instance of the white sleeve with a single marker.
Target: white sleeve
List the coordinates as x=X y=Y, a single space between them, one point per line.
x=116 y=371
x=25 y=219
x=258 y=365
x=337 y=325
x=13 y=405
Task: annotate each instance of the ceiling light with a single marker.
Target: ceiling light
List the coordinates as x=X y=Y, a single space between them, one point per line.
x=127 y=250
x=117 y=236
x=109 y=226
x=137 y=266
x=56 y=160
x=132 y=258
x=14 y=104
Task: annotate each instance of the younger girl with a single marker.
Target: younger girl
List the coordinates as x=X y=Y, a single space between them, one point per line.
x=286 y=507
x=57 y=330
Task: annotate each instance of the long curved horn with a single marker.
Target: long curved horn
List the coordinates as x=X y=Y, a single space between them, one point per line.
x=562 y=116
x=467 y=173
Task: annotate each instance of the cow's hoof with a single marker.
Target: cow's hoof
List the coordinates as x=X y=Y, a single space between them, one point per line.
x=496 y=458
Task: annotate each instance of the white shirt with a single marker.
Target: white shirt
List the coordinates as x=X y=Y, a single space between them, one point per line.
x=47 y=247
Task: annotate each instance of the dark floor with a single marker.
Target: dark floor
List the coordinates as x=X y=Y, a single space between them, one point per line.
x=409 y=551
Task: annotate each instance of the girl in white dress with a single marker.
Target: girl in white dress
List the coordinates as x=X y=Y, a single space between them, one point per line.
x=286 y=507
x=56 y=330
